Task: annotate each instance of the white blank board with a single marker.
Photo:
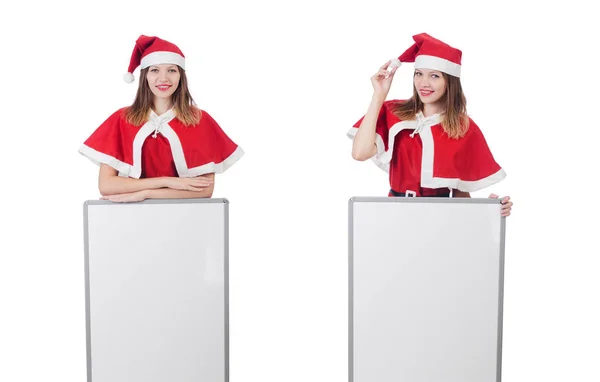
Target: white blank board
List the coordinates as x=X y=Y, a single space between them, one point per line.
x=426 y=280
x=156 y=291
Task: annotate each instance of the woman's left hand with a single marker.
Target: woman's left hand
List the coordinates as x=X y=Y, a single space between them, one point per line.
x=129 y=197
x=506 y=204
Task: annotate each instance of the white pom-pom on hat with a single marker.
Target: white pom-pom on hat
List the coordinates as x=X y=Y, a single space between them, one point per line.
x=395 y=63
x=128 y=77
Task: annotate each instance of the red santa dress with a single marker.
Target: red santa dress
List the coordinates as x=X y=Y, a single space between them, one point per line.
x=163 y=146
x=422 y=159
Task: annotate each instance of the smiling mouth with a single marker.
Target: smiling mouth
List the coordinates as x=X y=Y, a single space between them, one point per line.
x=163 y=87
x=425 y=93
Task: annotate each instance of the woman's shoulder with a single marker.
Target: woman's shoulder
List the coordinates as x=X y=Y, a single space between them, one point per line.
x=472 y=127
x=391 y=103
x=197 y=112
x=472 y=132
x=117 y=117
x=391 y=110
x=203 y=118
x=120 y=113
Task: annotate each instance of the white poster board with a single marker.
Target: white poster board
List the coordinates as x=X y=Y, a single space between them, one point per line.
x=157 y=290
x=425 y=289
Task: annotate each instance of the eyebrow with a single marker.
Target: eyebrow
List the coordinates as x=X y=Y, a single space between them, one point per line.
x=430 y=71
x=168 y=67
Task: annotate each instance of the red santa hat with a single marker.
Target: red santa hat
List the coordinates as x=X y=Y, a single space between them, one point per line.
x=430 y=53
x=151 y=50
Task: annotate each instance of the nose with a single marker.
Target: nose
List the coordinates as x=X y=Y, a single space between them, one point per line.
x=423 y=81
x=162 y=75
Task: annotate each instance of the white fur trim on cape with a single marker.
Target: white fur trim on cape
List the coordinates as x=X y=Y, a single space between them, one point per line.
x=98 y=158
x=217 y=168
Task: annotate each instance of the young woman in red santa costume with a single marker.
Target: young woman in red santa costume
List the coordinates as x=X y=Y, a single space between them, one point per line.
x=427 y=144
x=162 y=146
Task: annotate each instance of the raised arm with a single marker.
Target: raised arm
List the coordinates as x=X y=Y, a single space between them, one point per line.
x=364 y=146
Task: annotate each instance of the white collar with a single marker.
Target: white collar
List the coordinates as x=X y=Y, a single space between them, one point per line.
x=159 y=120
x=423 y=121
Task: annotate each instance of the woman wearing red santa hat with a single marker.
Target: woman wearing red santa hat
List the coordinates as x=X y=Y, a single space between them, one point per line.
x=162 y=146
x=427 y=144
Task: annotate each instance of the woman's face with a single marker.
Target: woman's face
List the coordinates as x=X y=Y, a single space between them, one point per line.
x=430 y=85
x=163 y=80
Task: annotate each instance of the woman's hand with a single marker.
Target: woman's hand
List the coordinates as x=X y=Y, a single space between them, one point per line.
x=506 y=204
x=382 y=80
x=198 y=183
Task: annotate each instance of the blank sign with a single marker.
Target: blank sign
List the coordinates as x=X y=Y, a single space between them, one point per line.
x=426 y=281
x=156 y=290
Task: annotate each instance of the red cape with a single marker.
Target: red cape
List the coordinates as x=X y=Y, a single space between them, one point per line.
x=465 y=164
x=187 y=151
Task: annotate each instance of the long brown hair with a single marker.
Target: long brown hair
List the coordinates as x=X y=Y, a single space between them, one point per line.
x=454 y=119
x=183 y=103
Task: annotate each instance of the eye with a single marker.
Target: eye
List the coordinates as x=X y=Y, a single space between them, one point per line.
x=417 y=74
x=435 y=75
x=173 y=70
x=154 y=70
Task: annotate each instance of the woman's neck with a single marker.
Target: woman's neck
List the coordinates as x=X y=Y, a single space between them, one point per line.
x=430 y=109
x=162 y=105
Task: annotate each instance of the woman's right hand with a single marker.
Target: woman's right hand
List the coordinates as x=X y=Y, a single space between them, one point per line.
x=190 y=184
x=382 y=80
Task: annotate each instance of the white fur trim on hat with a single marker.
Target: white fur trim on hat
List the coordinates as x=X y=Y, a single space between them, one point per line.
x=436 y=63
x=157 y=58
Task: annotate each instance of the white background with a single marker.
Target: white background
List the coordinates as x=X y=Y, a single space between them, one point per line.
x=286 y=81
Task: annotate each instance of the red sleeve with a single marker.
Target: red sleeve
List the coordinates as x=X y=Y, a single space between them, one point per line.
x=475 y=163
x=106 y=145
x=224 y=150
